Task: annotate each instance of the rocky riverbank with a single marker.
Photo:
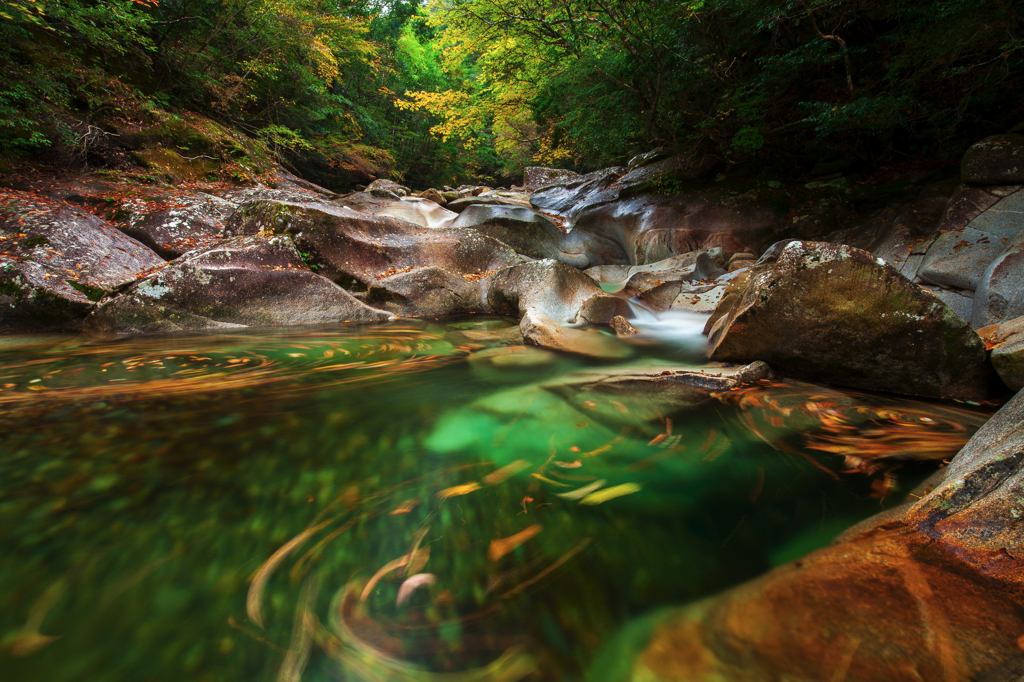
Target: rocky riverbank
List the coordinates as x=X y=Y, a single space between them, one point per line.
x=922 y=296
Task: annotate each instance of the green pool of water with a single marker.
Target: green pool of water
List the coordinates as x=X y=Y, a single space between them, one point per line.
x=247 y=505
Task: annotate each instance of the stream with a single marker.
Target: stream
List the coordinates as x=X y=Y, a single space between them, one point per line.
x=414 y=501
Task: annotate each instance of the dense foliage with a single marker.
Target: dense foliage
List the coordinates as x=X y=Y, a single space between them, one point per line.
x=456 y=90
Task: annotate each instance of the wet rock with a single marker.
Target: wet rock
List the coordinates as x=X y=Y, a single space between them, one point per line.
x=836 y=314
x=246 y=281
x=622 y=326
x=958 y=259
x=560 y=197
x=651 y=228
x=525 y=230
x=535 y=177
x=56 y=260
x=685 y=297
x=996 y=160
x=689 y=387
x=540 y=330
x=647 y=158
x=976 y=514
x=643 y=278
x=602 y=308
x=1008 y=358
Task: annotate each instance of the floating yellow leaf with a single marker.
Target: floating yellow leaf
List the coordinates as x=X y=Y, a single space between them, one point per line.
x=500 y=548
x=456 y=490
x=405 y=507
x=611 y=493
x=506 y=472
x=580 y=492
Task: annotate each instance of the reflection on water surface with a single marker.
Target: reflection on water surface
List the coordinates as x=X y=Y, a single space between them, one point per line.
x=419 y=502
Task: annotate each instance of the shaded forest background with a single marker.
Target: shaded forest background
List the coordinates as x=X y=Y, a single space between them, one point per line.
x=440 y=92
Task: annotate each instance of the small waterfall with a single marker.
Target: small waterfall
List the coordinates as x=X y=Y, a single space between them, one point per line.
x=681 y=329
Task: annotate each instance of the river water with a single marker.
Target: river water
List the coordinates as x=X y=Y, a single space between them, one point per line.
x=414 y=501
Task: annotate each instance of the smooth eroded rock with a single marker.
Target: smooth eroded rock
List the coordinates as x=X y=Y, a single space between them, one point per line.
x=836 y=314
x=1000 y=293
x=246 y=281
x=525 y=230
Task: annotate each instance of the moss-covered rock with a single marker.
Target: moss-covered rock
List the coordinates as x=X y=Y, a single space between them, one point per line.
x=836 y=314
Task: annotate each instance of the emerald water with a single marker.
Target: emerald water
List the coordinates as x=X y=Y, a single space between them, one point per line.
x=247 y=505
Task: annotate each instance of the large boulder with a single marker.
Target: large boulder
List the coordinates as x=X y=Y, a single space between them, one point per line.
x=247 y=281
x=996 y=160
x=933 y=590
x=57 y=260
x=387 y=189
x=834 y=313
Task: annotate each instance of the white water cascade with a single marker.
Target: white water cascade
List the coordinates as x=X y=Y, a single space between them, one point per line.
x=680 y=329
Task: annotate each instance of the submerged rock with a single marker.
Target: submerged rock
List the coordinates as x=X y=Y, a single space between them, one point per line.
x=57 y=260
x=540 y=330
x=835 y=314
x=246 y=281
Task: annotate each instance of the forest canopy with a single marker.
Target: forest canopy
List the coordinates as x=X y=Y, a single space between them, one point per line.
x=450 y=91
